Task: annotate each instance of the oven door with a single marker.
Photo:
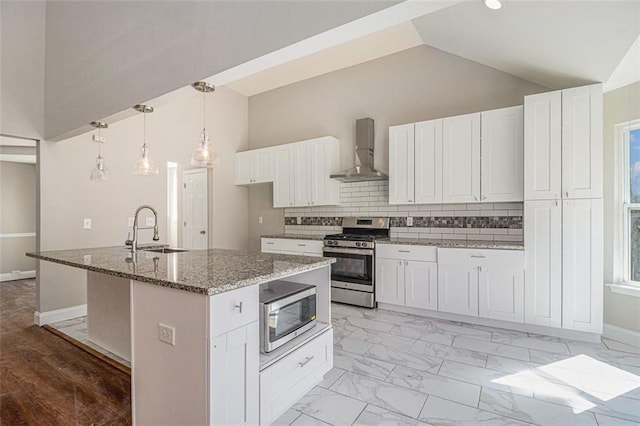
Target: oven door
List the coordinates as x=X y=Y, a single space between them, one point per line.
x=288 y=318
x=353 y=269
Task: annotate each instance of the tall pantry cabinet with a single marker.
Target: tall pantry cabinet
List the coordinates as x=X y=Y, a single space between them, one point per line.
x=563 y=217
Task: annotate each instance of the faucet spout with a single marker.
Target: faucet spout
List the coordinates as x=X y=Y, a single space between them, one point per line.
x=134 y=241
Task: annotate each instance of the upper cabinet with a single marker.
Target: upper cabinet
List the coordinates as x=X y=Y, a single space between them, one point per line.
x=466 y=159
x=461 y=159
x=563 y=144
x=254 y=166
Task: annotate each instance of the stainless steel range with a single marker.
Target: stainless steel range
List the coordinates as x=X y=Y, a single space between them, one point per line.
x=352 y=276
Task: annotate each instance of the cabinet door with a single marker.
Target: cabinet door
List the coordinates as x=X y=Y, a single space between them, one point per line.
x=502 y=164
x=421 y=284
x=461 y=159
x=428 y=162
x=283 y=188
x=543 y=263
x=501 y=293
x=234 y=376
x=458 y=289
x=401 y=164
x=582 y=268
x=390 y=281
x=243 y=168
x=302 y=175
x=261 y=165
x=582 y=142
x=542 y=146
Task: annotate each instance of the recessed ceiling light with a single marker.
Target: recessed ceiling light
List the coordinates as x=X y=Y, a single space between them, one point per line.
x=493 y=4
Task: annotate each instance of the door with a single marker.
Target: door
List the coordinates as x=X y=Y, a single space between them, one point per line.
x=318 y=165
x=502 y=163
x=390 y=276
x=243 y=168
x=261 y=165
x=428 y=162
x=401 y=164
x=353 y=268
x=582 y=142
x=461 y=159
x=458 y=289
x=582 y=268
x=283 y=178
x=421 y=284
x=501 y=293
x=195 y=233
x=542 y=146
x=302 y=175
x=543 y=262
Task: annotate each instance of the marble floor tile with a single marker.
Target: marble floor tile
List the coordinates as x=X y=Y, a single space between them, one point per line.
x=531 y=410
x=386 y=339
x=537 y=342
x=505 y=350
x=432 y=384
x=509 y=365
x=407 y=331
x=398 y=318
x=438 y=411
x=287 y=418
x=348 y=344
x=304 y=420
x=437 y=337
x=520 y=383
x=361 y=365
x=447 y=352
x=459 y=329
x=543 y=357
x=369 y=324
x=420 y=362
x=331 y=407
x=373 y=415
x=331 y=377
x=604 y=354
x=381 y=394
x=613 y=421
x=620 y=347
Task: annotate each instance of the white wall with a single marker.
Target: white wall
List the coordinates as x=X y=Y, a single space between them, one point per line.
x=620 y=106
x=68 y=196
x=413 y=85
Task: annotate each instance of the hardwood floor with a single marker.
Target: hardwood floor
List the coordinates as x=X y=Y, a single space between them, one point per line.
x=46 y=380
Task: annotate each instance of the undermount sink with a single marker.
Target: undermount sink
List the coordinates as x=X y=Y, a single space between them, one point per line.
x=165 y=250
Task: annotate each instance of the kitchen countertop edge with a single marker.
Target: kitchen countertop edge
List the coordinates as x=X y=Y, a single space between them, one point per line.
x=472 y=244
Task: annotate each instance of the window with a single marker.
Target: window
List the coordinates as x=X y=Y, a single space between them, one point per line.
x=631 y=199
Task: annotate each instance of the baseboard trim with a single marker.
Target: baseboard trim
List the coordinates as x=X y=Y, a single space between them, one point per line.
x=527 y=328
x=48 y=317
x=622 y=335
x=20 y=275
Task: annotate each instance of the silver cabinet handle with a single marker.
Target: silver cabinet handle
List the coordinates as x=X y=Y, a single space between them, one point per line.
x=478 y=256
x=411 y=201
x=306 y=361
x=406 y=263
x=400 y=263
x=404 y=251
x=302 y=245
x=270 y=243
x=238 y=306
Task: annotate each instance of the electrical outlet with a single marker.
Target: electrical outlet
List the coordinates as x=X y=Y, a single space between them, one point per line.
x=166 y=334
x=260 y=219
x=149 y=221
x=100 y=139
x=86 y=259
x=409 y=220
x=86 y=223
x=130 y=221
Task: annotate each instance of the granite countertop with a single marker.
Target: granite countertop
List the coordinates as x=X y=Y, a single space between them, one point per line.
x=473 y=244
x=207 y=272
x=295 y=237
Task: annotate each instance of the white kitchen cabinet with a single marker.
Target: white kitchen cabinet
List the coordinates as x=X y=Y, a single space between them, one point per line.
x=401 y=164
x=428 y=162
x=542 y=146
x=582 y=143
x=458 y=289
x=502 y=163
x=461 y=159
x=407 y=275
x=302 y=175
x=323 y=159
x=292 y=246
x=582 y=271
x=501 y=292
x=283 y=178
x=254 y=166
x=543 y=264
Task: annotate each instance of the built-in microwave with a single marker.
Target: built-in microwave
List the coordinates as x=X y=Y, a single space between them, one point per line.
x=287 y=310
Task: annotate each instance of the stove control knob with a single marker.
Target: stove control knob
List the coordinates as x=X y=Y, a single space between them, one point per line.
x=358 y=244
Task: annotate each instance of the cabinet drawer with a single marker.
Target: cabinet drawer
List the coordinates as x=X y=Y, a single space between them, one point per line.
x=407 y=252
x=301 y=247
x=513 y=259
x=233 y=309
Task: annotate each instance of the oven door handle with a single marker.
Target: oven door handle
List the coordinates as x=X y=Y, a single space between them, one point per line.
x=328 y=250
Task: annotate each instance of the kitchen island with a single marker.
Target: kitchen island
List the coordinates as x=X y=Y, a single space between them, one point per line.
x=189 y=324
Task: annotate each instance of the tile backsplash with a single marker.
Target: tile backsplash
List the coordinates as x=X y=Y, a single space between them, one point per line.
x=478 y=221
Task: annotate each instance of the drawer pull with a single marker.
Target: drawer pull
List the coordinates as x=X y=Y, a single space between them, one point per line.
x=478 y=256
x=302 y=245
x=404 y=251
x=271 y=243
x=238 y=307
x=306 y=361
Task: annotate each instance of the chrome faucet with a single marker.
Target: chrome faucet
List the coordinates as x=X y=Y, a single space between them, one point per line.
x=134 y=242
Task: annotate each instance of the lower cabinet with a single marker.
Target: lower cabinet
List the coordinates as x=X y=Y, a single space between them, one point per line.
x=458 y=289
x=286 y=381
x=501 y=293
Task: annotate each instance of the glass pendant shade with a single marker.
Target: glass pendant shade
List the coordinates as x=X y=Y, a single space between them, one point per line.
x=145 y=165
x=204 y=155
x=100 y=171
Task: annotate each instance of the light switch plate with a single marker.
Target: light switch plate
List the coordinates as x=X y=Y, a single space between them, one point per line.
x=409 y=220
x=260 y=219
x=86 y=223
x=149 y=221
x=130 y=221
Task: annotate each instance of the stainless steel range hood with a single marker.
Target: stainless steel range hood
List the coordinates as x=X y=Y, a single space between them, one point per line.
x=363 y=170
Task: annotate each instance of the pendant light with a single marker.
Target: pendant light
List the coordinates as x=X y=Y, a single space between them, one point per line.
x=204 y=155
x=145 y=165
x=100 y=171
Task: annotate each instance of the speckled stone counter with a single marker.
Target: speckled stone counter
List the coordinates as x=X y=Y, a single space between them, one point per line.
x=207 y=272
x=473 y=244
x=296 y=237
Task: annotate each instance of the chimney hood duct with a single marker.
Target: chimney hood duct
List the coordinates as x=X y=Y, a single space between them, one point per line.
x=363 y=170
